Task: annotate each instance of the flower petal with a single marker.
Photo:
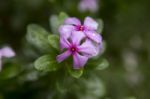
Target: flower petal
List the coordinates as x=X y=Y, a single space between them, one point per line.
x=7 y=52
x=86 y=5
x=76 y=37
x=64 y=43
x=98 y=48
x=63 y=56
x=65 y=30
x=72 y=21
x=94 y=36
x=83 y=6
x=79 y=61
x=88 y=49
x=90 y=24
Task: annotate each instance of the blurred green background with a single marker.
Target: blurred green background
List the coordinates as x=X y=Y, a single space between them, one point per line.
x=126 y=31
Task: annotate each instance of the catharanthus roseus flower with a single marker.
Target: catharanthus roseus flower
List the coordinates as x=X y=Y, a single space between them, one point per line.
x=6 y=52
x=80 y=41
x=88 y=28
x=79 y=48
x=88 y=5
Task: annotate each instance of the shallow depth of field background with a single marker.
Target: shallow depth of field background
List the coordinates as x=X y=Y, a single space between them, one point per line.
x=126 y=31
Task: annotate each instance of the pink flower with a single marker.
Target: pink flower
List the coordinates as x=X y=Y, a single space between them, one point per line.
x=88 y=5
x=6 y=52
x=79 y=41
x=80 y=49
x=88 y=28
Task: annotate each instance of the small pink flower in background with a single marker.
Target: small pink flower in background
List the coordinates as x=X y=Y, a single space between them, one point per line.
x=81 y=51
x=6 y=52
x=88 y=5
x=88 y=28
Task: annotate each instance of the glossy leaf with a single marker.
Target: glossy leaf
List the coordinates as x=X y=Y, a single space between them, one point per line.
x=56 y=21
x=46 y=63
x=100 y=26
x=62 y=17
x=10 y=71
x=98 y=64
x=54 y=41
x=75 y=73
x=103 y=64
x=38 y=37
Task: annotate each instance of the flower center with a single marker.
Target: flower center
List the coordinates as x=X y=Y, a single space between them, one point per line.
x=73 y=49
x=80 y=28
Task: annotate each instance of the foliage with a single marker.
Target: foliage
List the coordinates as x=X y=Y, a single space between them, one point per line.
x=30 y=27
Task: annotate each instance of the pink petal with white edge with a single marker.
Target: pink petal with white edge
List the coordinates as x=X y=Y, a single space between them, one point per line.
x=7 y=52
x=88 y=48
x=63 y=56
x=77 y=36
x=72 y=21
x=94 y=36
x=79 y=61
x=64 y=43
x=90 y=24
x=65 y=30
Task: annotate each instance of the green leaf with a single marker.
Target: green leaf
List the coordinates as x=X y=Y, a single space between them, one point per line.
x=75 y=73
x=46 y=63
x=97 y=63
x=62 y=17
x=60 y=86
x=54 y=41
x=92 y=87
x=100 y=26
x=103 y=64
x=37 y=36
x=104 y=46
x=9 y=71
x=56 y=21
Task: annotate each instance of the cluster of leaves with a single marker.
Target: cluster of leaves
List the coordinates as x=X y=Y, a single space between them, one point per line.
x=48 y=44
